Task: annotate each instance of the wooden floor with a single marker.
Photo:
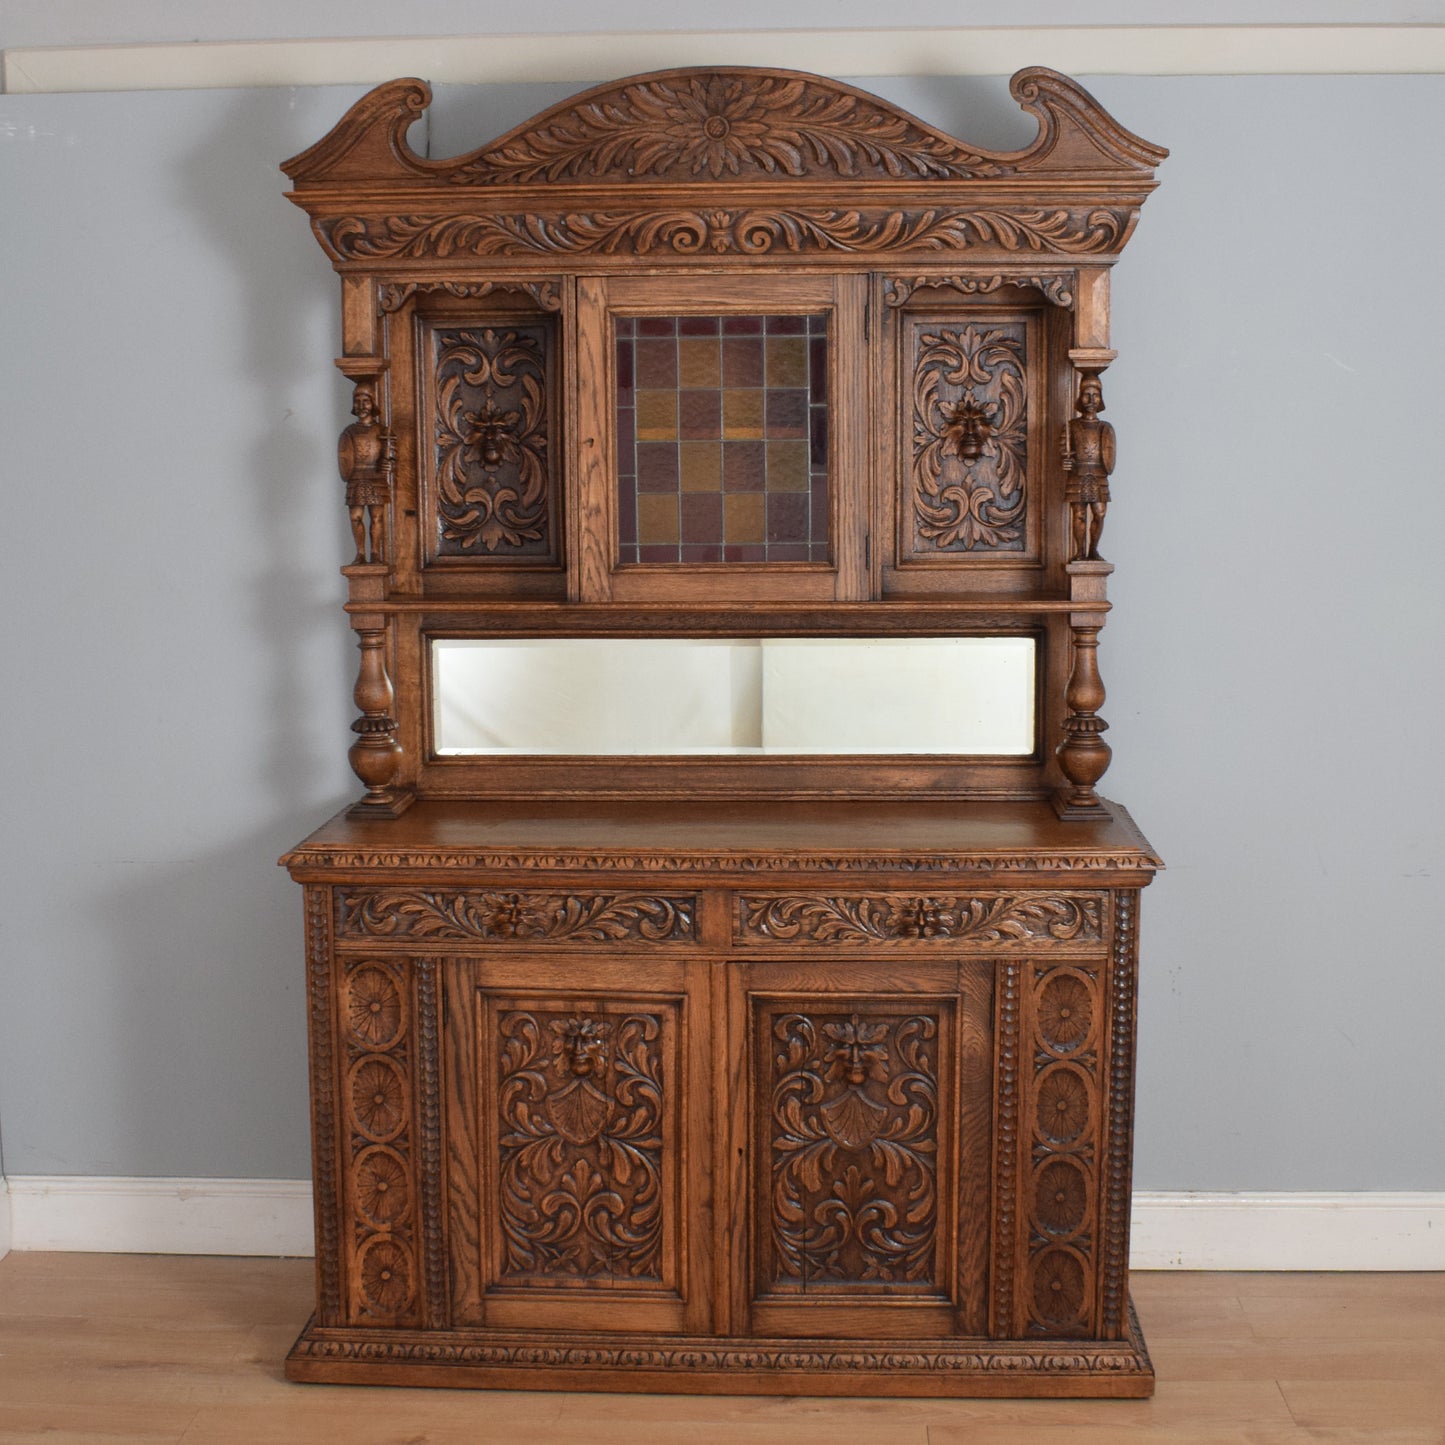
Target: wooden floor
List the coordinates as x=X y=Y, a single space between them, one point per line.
x=163 y=1348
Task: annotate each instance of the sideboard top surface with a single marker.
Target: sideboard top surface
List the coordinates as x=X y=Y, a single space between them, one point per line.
x=746 y=836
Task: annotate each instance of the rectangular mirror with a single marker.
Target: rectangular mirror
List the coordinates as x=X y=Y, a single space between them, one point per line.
x=972 y=696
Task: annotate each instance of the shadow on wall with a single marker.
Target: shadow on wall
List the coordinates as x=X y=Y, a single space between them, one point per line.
x=233 y=184
x=209 y=1017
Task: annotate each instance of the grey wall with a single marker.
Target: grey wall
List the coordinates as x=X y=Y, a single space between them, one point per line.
x=177 y=670
x=119 y=22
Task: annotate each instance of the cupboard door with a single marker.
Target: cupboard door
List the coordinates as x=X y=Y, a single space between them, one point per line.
x=580 y=1171
x=867 y=1137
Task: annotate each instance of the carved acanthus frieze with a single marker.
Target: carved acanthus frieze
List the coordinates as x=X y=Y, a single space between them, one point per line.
x=1056 y=286
x=970 y=437
x=744 y=232
x=721 y=125
x=518 y=917
x=392 y=296
x=492 y=465
x=853 y=1149
x=896 y=917
x=580 y=1143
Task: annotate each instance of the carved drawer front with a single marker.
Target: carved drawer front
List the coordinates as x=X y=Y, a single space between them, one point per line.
x=583 y=1197
x=857 y=1160
x=503 y=916
x=961 y=921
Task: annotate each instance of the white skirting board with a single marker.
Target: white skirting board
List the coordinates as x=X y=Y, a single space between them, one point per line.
x=1256 y=1231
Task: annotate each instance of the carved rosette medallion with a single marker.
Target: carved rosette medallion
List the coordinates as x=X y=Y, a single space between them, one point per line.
x=494 y=493
x=970 y=438
x=516 y=916
x=378 y=1106
x=983 y=918
x=722 y=125
x=1066 y=1011
x=852 y=1148
x=582 y=1114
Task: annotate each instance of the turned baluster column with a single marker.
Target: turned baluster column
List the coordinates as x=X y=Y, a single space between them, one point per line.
x=376 y=754
x=1084 y=755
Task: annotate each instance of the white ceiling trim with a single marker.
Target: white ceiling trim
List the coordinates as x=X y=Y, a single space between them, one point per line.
x=1091 y=50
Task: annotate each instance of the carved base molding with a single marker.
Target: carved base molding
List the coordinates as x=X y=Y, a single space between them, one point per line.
x=513 y=1360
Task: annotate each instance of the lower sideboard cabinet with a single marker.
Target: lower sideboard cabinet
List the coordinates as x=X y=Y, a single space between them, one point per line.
x=724 y=1130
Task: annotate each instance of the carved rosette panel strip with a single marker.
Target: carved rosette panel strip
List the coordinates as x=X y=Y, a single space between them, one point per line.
x=982 y=918
x=1022 y=230
x=851 y=1148
x=1066 y=1013
x=969 y=446
x=379 y=1108
x=586 y=1146
x=495 y=490
x=516 y=917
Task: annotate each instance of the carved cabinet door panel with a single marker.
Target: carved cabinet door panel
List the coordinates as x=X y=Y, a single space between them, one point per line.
x=579 y=1162
x=866 y=1136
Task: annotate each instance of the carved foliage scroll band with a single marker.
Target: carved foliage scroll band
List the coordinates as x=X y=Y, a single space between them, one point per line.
x=1093 y=231
x=517 y=917
x=852 y=1147
x=895 y=917
x=493 y=466
x=581 y=1104
x=970 y=437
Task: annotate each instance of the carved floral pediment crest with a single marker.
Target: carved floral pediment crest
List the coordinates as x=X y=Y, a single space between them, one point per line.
x=727 y=124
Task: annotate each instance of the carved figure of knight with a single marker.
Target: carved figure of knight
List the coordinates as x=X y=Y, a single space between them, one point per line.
x=1088 y=460
x=366 y=457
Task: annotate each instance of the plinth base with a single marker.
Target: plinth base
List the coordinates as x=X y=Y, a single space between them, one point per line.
x=516 y=1360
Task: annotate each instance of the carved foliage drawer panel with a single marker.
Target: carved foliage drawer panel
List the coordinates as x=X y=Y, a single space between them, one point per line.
x=956 y=921
x=429 y=916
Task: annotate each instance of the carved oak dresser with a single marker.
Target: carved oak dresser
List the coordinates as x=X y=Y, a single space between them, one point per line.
x=726 y=981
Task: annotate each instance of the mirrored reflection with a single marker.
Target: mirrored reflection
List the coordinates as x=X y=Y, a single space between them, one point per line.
x=671 y=696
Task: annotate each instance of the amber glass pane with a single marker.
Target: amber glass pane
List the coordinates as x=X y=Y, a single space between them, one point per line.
x=722 y=439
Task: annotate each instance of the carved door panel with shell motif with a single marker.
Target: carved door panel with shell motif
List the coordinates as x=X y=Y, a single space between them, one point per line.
x=578 y=1190
x=869 y=1202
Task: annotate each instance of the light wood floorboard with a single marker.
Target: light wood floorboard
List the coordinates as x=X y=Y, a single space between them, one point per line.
x=188 y=1351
